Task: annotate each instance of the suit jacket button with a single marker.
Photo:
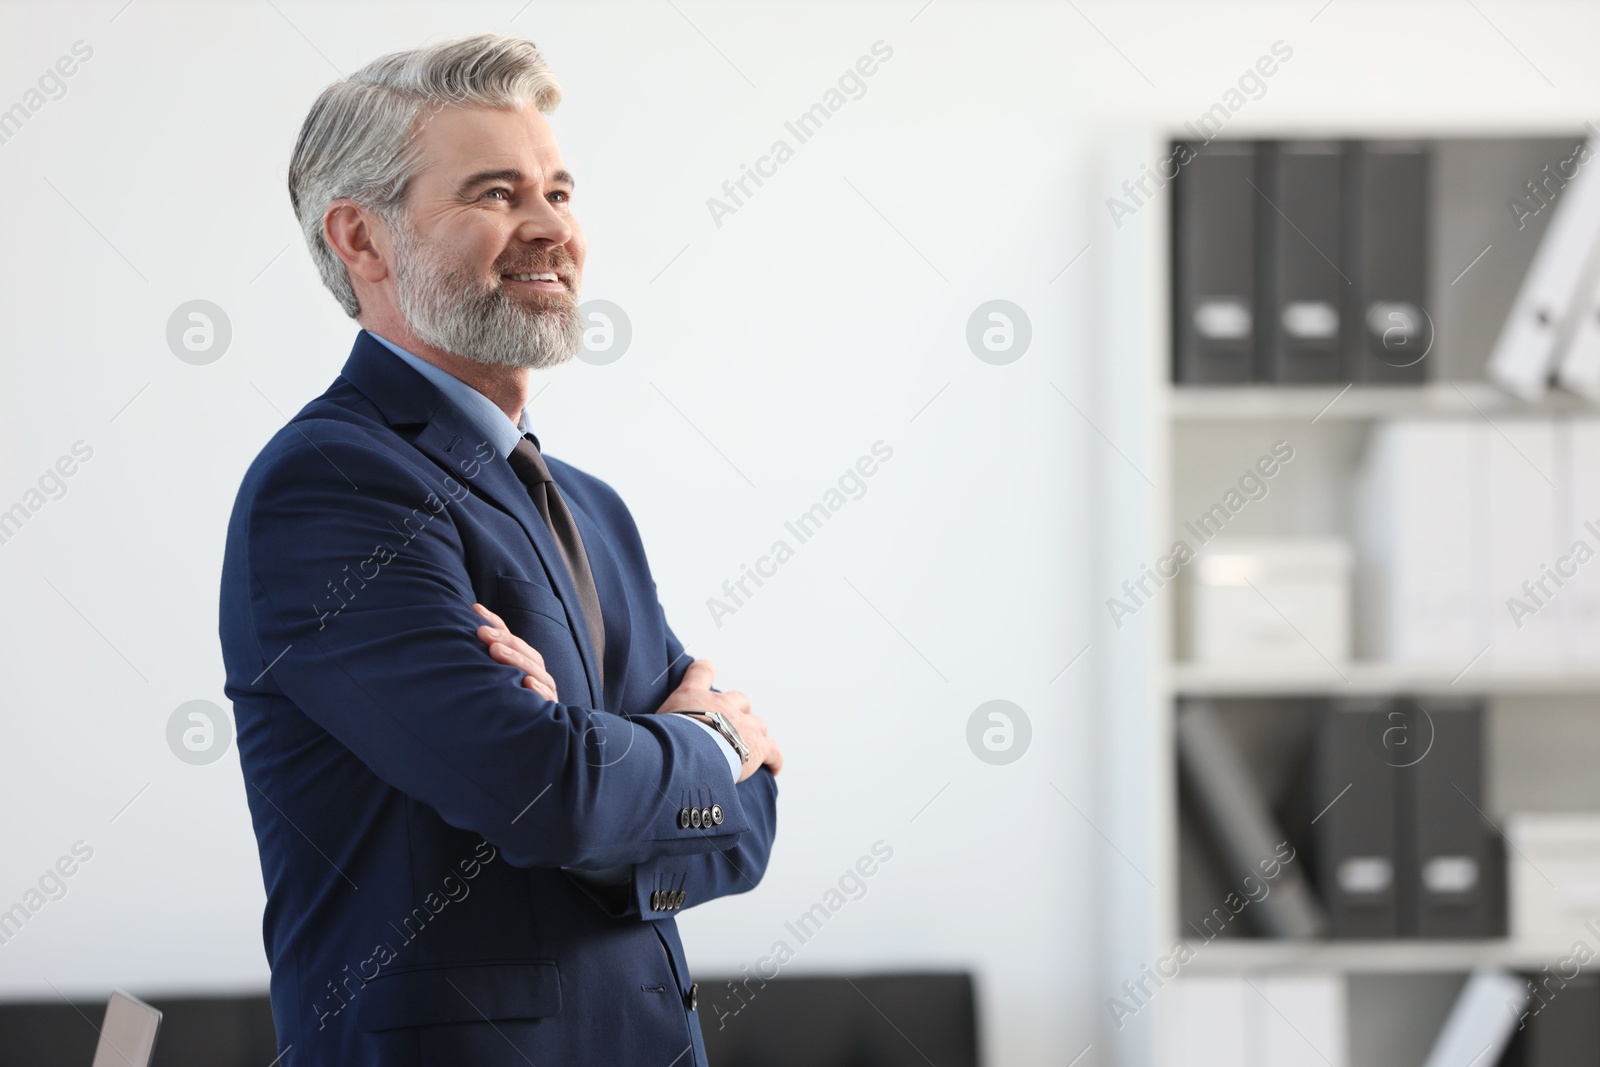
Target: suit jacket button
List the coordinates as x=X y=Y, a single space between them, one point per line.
x=683 y=818
x=677 y=898
x=716 y=815
x=694 y=995
x=705 y=816
x=694 y=818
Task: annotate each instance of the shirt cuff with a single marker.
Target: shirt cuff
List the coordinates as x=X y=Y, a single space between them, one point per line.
x=734 y=763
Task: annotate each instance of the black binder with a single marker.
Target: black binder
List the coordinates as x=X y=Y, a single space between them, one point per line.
x=1241 y=824
x=1388 y=324
x=1352 y=833
x=1303 y=280
x=1445 y=866
x=1214 y=205
x=1562 y=1026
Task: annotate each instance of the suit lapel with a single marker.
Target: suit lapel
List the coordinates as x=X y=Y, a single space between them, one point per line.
x=406 y=398
x=449 y=440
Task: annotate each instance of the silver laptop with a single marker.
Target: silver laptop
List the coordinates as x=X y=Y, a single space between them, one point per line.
x=128 y=1035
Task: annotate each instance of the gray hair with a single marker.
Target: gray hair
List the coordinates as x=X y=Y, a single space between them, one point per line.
x=359 y=141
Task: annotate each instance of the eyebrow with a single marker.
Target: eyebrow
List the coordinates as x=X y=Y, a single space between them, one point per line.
x=512 y=175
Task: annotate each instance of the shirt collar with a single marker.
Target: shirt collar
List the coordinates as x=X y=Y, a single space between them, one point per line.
x=485 y=416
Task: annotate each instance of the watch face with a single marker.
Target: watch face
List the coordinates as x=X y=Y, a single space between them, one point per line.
x=731 y=733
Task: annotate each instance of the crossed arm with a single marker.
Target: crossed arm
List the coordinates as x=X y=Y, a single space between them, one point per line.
x=667 y=884
x=376 y=672
x=694 y=693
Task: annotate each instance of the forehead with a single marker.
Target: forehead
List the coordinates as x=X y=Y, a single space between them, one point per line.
x=456 y=141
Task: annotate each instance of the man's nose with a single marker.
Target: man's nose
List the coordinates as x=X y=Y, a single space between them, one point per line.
x=540 y=221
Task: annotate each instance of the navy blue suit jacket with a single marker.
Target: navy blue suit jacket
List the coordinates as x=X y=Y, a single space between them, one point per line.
x=414 y=805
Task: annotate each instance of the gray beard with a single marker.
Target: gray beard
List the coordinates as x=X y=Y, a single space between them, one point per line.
x=444 y=306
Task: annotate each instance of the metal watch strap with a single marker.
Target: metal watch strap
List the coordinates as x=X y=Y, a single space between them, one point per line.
x=720 y=723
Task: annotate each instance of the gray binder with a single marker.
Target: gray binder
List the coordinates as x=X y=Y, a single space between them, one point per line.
x=1352 y=805
x=1562 y=1028
x=1302 y=277
x=1386 y=208
x=1445 y=858
x=1241 y=823
x=1214 y=270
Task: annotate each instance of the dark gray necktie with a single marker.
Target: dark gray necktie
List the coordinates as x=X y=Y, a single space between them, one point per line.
x=530 y=469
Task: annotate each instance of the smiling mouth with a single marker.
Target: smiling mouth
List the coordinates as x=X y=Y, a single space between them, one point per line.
x=546 y=281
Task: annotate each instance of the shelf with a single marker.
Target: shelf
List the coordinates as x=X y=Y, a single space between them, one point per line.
x=1240 y=956
x=1379 y=679
x=1205 y=403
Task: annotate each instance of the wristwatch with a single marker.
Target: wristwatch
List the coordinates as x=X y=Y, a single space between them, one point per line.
x=719 y=722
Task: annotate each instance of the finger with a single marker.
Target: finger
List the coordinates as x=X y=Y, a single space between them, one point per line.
x=509 y=648
x=491 y=636
x=491 y=616
x=774 y=760
x=506 y=652
x=499 y=644
x=699 y=675
x=541 y=685
x=533 y=668
x=740 y=701
x=522 y=646
x=545 y=690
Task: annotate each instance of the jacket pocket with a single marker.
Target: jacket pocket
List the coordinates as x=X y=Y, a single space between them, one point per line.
x=536 y=615
x=461 y=993
x=529 y=596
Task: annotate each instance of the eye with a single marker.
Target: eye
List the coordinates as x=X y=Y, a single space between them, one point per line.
x=498 y=189
x=565 y=196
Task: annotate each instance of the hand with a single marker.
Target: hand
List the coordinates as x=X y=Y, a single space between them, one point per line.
x=507 y=647
x=694 y=694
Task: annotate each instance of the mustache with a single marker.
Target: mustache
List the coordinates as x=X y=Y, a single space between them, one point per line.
x=561 y=262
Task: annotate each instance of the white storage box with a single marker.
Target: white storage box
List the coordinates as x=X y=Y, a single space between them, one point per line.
x=1561 y=848
x=1271 y=602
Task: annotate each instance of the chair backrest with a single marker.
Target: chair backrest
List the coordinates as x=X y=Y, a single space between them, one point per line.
x=128 y=1034
x=876 y=1020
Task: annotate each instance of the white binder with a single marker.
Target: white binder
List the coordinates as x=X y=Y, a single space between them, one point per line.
x=1579 y=369
x=1482 y=1020
x=1549 y=303
x=1580 y=521
x=1280 y=1020
x=1423 y=536
x=1524 y=504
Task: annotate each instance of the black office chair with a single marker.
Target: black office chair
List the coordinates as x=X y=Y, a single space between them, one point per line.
x=883 y=1020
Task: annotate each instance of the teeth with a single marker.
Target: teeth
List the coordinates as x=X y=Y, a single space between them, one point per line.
x=542 y=276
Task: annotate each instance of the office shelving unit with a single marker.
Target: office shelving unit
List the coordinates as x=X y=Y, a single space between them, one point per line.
x=1178 y=443
x=1362 y=679
x=1202 y=403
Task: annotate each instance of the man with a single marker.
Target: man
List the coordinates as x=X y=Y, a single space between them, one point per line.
x=483 y=773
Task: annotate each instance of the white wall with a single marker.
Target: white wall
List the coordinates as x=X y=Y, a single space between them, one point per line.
x=804 y=328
